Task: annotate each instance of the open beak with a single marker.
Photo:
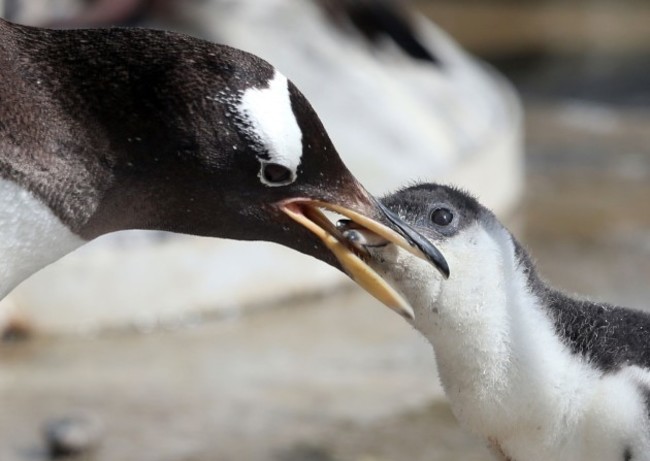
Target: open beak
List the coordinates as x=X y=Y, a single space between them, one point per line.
x=307 y=212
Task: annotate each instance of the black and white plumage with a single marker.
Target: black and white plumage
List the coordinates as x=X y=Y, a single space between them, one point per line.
x=110 y=129
x=538 y=374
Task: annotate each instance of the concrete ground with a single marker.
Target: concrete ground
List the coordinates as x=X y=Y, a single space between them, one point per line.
x=338 y=378
x=280 y=384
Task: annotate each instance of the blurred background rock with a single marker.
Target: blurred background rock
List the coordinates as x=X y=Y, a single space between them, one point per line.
x=338 y=377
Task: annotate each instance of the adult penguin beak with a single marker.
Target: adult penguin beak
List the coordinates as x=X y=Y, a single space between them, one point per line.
x=307 y=212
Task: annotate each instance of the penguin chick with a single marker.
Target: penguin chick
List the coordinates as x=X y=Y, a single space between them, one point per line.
x=538 y=374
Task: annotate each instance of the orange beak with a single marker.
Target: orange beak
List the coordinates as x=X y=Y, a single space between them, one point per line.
x=307 y=212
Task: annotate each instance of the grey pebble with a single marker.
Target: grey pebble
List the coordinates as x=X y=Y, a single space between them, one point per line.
x=72 y=435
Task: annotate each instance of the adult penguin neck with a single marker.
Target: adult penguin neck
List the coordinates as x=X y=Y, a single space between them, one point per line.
x=31 y=236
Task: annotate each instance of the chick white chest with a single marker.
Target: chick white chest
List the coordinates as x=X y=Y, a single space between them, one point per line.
x=511 y=378
x=522 y=389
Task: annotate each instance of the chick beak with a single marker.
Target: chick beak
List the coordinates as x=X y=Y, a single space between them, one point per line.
x=307 y=212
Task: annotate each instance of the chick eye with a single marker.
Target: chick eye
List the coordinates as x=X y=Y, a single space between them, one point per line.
x=442 y=216
x=274 y=173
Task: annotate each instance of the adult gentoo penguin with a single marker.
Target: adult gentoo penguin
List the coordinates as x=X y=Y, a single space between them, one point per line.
x=102 y=130
x=538 y=374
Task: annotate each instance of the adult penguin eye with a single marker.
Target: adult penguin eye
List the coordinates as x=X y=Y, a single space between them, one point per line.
x=442 y=217
x=276 y=174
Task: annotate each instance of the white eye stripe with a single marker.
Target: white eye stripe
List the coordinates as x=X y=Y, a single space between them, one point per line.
x=272 y=123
